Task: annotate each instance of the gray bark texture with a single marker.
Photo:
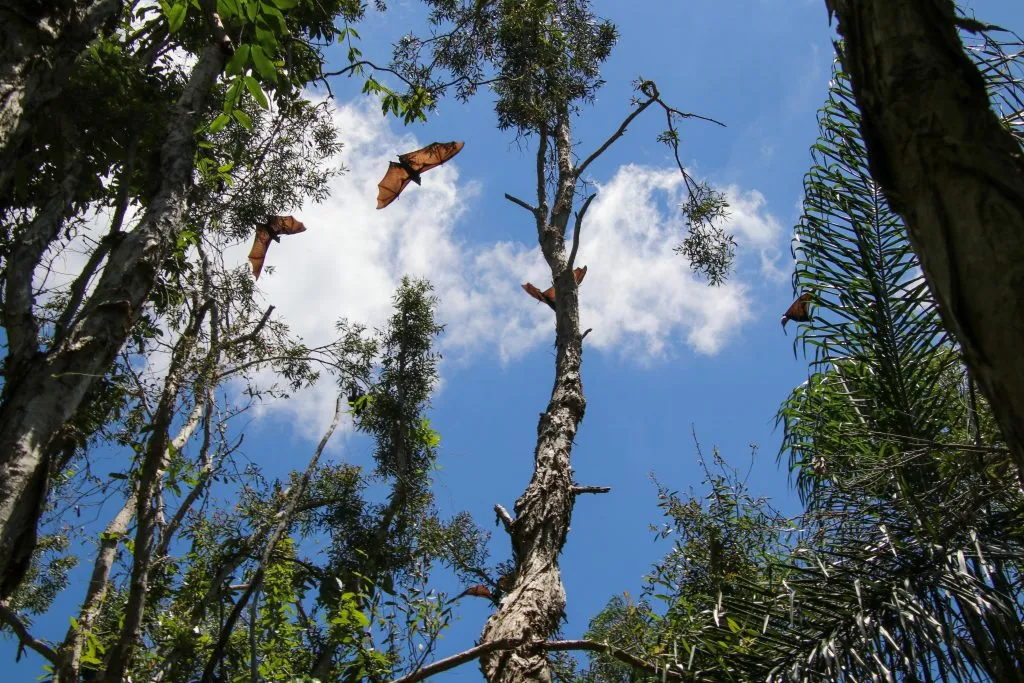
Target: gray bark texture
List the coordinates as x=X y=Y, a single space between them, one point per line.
x=49 y=387
x=39 y=45
x=956 y=176
x=536 y=603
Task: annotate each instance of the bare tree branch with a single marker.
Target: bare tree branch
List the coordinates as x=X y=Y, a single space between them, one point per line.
x=520 y=202
x=8 y=617
x=505 y=518
x=577 y=490
x=249 y=336
x=617 y=134
x=576 y=229
x=551 y=645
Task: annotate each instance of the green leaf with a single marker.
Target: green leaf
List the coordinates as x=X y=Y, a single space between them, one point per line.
x=176 y=17
x=228 y=9
x=238 y=60
x=282 y=27
x=242 y=119
x=285 y=4
x=263 y=64
x=253 y=86
x=219 y=123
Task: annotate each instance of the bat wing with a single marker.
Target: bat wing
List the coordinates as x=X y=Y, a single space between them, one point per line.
x=579 y=274
x=432 y=155
x=547 y=296
x=798 y=310
x=259 y=251
x=285 y=225
x=392 y=185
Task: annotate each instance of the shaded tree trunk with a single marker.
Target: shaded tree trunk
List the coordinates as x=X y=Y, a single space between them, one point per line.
x=536 y=603
x=52 y=385
x=956 y=176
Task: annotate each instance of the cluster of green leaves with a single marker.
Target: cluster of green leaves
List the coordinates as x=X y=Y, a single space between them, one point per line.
x=725 y=541
x=545 y=54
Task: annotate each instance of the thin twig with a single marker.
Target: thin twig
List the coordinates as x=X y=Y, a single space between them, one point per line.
x=249 y=336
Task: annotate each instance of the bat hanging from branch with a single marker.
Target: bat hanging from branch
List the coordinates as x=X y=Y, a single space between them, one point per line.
x=272 y=230
x=478 y=591
x=798 y=310
x=409 y=168
x=548 y=295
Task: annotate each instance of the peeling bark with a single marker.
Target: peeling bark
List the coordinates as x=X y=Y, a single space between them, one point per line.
x=954 y=174
x=536 y=603
x=53 y=384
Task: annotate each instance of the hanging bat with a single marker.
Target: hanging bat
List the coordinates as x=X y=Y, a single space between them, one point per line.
x=272 y=230
x=409 y=168
x=798 y=311
x=548 y=295
x=478 y=591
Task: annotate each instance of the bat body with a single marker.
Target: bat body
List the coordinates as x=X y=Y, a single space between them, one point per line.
x=548 y=295
x=271 y=231
x=411 y=166
x=798 y=310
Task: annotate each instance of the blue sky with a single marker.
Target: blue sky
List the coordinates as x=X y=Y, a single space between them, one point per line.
x=666 y=351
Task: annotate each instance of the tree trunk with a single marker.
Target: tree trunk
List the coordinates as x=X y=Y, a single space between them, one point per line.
x=74 y=641
x=955 y=175
x=535 y=605
x=37 y=55
x=51 y=389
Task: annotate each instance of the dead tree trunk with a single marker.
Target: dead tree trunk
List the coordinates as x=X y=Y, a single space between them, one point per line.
x=535 y=605
x=954 y=174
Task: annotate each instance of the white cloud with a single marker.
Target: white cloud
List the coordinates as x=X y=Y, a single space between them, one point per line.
x=757 y=230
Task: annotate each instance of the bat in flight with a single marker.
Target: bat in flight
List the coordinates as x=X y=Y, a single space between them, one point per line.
x=548 y=295
x=272 y=230
x=410 y=167
x=797 y=311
